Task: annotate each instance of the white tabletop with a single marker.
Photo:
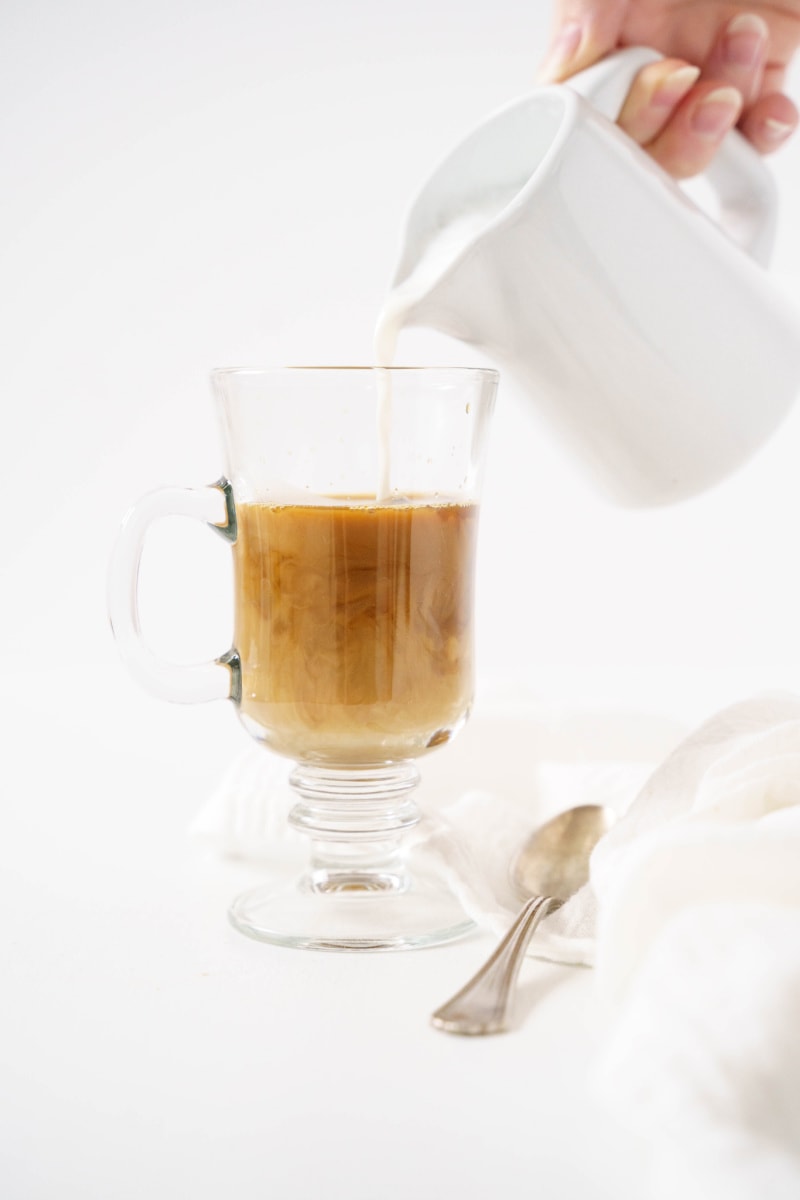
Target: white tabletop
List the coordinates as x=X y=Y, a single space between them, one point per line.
x=150 y=1049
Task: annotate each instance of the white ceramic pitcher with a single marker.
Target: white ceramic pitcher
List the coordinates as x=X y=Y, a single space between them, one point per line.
x=648 y=333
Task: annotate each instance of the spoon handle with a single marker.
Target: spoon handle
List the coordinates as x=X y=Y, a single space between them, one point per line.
x=482 y=1004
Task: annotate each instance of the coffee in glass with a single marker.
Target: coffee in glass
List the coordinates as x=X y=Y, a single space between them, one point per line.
x=351 y=503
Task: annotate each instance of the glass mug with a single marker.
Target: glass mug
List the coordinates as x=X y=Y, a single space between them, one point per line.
x=351 y=504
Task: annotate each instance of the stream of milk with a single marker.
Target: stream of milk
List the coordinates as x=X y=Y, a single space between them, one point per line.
x=400 y=307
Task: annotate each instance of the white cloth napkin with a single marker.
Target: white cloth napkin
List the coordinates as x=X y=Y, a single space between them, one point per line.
x=698 y=955
x=691 y=916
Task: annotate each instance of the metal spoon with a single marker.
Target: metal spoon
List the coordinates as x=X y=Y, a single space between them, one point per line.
x=551 y=866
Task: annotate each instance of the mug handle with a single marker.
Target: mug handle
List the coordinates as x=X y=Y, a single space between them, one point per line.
x=744 y=187
x=219 y=679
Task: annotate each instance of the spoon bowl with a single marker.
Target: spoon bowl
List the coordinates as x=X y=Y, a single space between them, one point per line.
x=551 y=866
x=555 y=859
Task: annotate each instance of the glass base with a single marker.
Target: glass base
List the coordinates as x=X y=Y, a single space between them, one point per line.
x=352 y=912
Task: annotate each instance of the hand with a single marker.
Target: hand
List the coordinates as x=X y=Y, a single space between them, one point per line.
x=726 y=66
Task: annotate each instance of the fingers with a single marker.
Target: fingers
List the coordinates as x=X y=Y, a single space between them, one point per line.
x=681 y=114
x=739 y=55
x=678 y=120
x=770 y=122
x=583 y=32
x=691 y=138
x=654 y=96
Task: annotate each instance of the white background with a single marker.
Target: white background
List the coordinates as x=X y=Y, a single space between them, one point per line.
x=187 y=184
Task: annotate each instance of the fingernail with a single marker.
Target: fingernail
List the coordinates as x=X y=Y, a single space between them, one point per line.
x=563 y=49
x=777 y=131
x=675 y=86
x=745 y=39
x=717 y=112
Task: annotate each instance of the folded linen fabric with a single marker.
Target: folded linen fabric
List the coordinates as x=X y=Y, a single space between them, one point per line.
x=698 y=953
x=702 y=1058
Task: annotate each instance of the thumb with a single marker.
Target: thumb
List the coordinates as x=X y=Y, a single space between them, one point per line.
x=583 y=32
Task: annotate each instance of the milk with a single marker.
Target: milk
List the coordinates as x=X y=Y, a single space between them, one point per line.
x=441 y=251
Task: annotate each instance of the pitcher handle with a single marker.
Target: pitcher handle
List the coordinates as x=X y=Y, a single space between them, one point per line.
x=219 y=679
x=744 y=187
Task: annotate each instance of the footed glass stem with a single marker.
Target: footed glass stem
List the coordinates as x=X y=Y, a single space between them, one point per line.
x=361 y=890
